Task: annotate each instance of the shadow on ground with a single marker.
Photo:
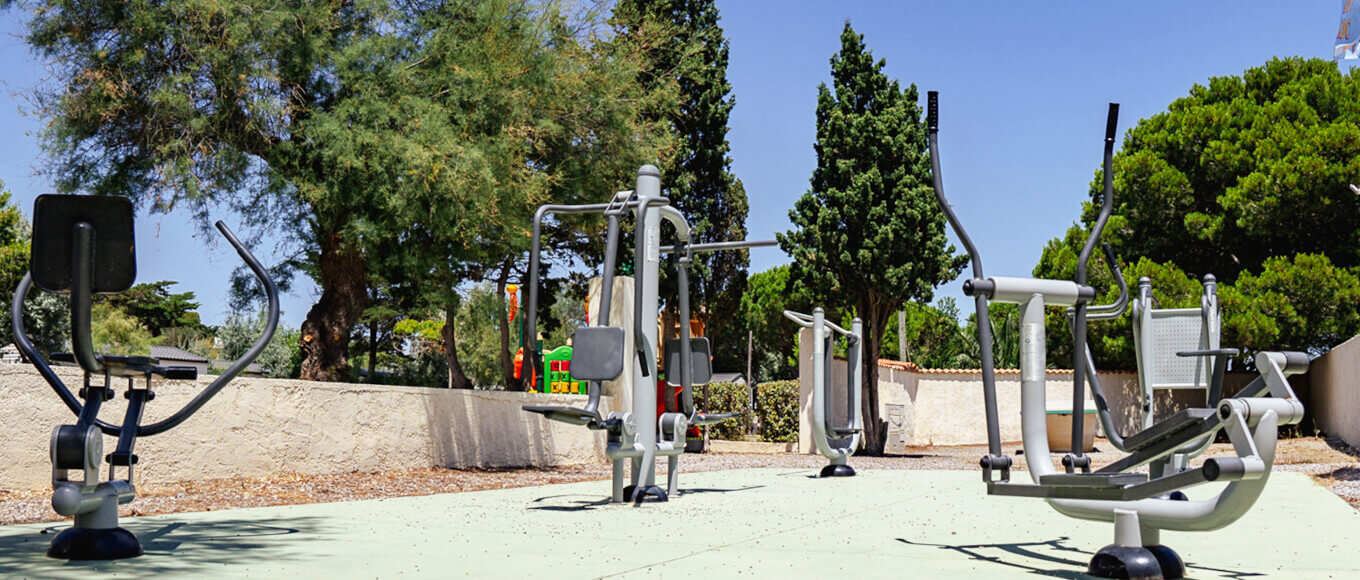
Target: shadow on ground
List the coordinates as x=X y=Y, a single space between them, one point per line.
x=1037 y=562
x=580 y=503
x=172 y=546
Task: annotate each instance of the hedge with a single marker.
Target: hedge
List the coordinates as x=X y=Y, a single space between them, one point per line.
x=776 y=410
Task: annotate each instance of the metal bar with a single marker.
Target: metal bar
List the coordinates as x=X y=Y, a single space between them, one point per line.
x=82 y=257
x=718 y=246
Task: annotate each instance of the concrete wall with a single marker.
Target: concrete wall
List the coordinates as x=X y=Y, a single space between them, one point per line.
x=945 y=407
x=1334 y=391
x=261 y=426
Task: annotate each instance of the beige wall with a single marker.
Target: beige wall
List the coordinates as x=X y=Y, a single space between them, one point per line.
x=262 y=426
x=1334 y=391
x=946 y=407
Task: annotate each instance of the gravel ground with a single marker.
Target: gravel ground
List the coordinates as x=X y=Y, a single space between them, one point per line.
x=1330 y=462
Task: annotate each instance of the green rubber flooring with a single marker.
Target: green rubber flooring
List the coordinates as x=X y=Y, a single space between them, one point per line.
x=757 y=523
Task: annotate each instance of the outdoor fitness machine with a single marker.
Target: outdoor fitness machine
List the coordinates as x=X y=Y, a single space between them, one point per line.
x=836 y=443
x=83 y=245
x=598 y=351
x=1139 y=504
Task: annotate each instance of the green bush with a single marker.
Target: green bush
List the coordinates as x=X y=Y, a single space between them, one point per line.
x=726 y=398
x=777 y=409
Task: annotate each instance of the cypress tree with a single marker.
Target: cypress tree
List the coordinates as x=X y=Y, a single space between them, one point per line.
x=868 y=233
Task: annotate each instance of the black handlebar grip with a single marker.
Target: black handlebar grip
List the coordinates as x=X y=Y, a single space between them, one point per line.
x=1112 y=122
x=933 y=111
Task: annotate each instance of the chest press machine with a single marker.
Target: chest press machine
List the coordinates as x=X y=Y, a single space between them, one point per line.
x=641 y=435
x=83 y=245
x=1139 y=504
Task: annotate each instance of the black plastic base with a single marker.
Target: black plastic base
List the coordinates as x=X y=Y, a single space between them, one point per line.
x=837 y=471
x=91 y=544
x=647 y=494
x=1141 y=563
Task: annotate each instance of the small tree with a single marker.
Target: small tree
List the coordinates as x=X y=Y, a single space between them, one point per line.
x=869 y=231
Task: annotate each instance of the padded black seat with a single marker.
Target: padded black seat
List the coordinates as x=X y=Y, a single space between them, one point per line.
x=1169 y=427
x=565 y=414
x=1093 y=480
x=845 y=431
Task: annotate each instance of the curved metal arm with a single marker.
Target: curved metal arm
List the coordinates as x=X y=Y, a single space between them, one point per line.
x=25 y=345
x=271 y=323
x=1116 y=308
x=21 y=340
x=984 y=321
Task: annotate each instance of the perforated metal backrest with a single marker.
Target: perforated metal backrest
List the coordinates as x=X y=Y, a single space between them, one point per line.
x=700 y=361
x=597 y=353
x=1160 y=333
x=1172 y=331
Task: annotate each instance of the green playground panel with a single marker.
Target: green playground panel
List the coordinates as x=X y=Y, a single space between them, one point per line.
x=557 y=365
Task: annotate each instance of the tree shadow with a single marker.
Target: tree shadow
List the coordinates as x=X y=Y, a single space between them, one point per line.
x=1070 y=568
x=171 y=545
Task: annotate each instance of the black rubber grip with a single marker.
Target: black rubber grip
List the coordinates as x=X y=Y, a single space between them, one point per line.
x=1112 y=122
x=933 y=111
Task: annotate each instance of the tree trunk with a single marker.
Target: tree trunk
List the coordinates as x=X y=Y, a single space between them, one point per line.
x=344 y=295
x=457 y=378
x=875 y=319
x=507 y=357
x=372 y=349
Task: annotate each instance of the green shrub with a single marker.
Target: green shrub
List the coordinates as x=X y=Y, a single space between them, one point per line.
x=726 y=398
x=777 y=409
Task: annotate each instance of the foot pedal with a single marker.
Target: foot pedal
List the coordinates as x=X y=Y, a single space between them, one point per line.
x=1169 y=427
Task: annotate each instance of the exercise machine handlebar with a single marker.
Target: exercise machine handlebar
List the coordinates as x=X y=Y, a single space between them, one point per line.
x=25 y=345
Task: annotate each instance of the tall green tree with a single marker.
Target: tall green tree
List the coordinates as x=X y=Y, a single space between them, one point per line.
x=1245 y=178
x=775 y=339
x=699 y=182
x=366 y=133
x=156 y=308
x=868 y=231
x=1242 y=169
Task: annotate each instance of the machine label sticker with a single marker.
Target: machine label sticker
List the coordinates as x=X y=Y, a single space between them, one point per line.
x=653 y=245
x=1031 y=351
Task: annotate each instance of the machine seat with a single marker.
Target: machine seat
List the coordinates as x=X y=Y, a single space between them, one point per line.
x=1169 y=427
x=701 y=419
x=565 y=414
x=845 y=431
x=133 y=366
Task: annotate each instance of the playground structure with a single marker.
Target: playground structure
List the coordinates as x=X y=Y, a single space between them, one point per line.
x=83 y=245
x=641 y=435
x=835 y=442
x=1139 y=504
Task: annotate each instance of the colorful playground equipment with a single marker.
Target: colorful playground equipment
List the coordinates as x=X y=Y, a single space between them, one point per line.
x=641 y=435
x=835 y=442
x=1139 y=504
x=84 y=245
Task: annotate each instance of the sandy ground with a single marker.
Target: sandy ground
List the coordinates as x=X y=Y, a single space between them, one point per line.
x=1330 y=462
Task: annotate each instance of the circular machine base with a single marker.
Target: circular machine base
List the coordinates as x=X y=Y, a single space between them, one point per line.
x=648 y=494
x=1137 y=563
x=837 y=471
x=94 y=544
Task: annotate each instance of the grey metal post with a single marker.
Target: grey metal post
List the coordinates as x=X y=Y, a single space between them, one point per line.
x=646 y=269
x=902 y=335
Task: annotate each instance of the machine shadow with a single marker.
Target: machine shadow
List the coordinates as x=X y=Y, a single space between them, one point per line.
x=172 y=546
x=1070 y=568
x=580 y=505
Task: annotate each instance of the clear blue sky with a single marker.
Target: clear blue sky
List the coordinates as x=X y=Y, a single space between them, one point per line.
x=1023 y=87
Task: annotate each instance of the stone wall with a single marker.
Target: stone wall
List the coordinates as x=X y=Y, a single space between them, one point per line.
x=257 y=427
x=1334 y=391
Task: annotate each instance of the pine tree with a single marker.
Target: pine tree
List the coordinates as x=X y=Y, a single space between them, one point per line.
x=698 y=176
x=868 y=233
